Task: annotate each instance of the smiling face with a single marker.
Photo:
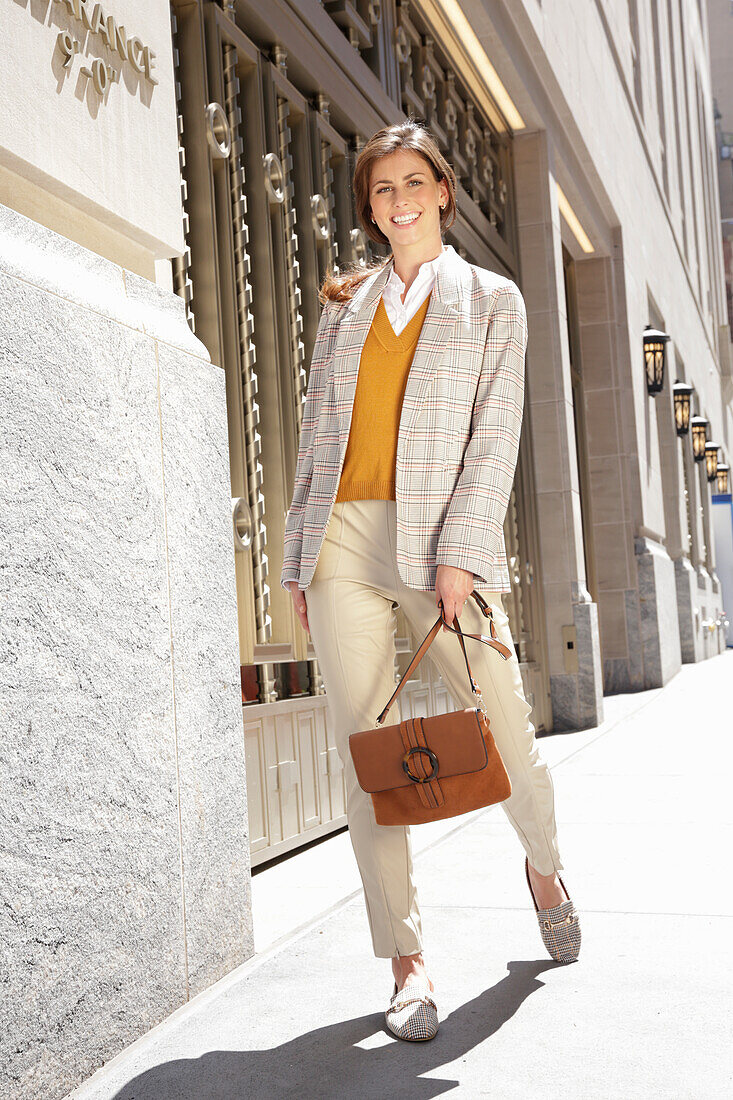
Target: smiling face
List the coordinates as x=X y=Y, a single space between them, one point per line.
x=405 y=199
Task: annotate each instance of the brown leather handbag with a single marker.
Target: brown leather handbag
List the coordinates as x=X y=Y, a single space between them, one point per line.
x=424 y=769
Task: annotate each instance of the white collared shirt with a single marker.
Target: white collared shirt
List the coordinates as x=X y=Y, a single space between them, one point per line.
x=401 y=313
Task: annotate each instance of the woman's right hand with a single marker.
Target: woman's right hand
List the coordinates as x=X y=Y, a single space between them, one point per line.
x=301 y=607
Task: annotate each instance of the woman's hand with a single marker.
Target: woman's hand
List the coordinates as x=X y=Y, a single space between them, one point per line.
x=301 y=608
x=453 y=586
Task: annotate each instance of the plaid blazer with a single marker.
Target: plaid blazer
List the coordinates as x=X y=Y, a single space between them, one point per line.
x=459 y=429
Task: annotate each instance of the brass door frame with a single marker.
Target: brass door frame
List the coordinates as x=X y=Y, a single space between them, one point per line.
x=261 y=340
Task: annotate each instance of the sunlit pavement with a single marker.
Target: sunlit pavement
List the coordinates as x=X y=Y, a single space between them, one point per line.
x=644 y=815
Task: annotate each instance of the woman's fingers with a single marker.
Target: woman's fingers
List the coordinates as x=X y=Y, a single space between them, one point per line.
x=301 y=608
x=304 y=617
x=452 y=606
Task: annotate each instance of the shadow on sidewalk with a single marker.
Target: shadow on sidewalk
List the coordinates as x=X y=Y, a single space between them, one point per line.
x=328 y=1063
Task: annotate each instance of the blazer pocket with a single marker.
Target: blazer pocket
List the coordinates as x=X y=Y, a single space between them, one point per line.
x=454 y=390
x=451 y=472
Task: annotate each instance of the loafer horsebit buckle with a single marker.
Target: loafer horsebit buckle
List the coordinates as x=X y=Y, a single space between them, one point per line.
x=556 y=923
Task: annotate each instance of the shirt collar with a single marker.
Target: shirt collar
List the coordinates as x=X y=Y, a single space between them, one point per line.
x=427 y=270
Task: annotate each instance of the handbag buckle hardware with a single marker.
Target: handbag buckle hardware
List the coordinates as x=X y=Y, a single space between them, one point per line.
x=431 y=756
x=482 y=705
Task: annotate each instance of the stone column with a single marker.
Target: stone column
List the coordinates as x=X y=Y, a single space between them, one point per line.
x=637 y=595
x=125 y=857
x=574 y=656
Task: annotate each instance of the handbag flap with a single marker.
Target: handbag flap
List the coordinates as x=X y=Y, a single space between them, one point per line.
x=457 y=739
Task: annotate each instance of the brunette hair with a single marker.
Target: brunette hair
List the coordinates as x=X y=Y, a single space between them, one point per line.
x=412 y=135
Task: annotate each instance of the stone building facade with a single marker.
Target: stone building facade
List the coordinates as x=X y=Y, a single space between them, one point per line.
x=720 y=36
x=171 y=195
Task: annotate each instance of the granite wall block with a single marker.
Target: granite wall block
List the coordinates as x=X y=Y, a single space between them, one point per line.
x=124 y=850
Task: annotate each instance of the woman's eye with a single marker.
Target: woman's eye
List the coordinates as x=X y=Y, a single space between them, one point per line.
x=386 y=186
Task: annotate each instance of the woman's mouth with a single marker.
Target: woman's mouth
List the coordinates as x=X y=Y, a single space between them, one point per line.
x=404 y=219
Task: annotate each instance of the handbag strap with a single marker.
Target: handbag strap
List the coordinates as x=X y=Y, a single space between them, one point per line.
x=430 y=637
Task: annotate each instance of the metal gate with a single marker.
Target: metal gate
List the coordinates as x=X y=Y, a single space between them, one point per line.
x=272 y=114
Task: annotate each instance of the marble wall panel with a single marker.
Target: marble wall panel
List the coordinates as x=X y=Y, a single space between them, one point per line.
x=124 y=849
x=92 y=924
x=206 y=678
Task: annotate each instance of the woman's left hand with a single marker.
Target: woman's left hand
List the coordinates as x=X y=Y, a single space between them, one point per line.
x=453 y=586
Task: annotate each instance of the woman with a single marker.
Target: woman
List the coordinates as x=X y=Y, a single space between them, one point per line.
x=407 y=455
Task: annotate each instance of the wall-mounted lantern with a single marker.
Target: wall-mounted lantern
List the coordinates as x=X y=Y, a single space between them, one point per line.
x=682 y=393
x=723 y=471
x=711 y=459
x=699 y=428
x=655 y=342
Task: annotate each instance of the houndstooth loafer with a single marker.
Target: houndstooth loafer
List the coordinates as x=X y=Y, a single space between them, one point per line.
x=412 y=1012
x=559 y=924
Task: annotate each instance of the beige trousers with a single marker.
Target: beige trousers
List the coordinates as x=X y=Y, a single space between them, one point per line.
x=351 y=600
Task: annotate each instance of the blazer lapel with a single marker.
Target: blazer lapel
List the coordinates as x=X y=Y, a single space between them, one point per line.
x=436 y=334
x=347 y=350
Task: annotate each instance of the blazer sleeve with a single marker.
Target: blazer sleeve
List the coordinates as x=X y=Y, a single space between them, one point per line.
x=322 y=349
x=473 y=529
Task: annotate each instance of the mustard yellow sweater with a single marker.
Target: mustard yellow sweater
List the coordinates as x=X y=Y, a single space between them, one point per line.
x=371 y=451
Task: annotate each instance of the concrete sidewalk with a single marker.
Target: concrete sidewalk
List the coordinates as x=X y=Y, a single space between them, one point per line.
x=644 y=814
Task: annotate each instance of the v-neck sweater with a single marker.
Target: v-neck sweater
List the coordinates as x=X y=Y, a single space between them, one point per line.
x=371 y=451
